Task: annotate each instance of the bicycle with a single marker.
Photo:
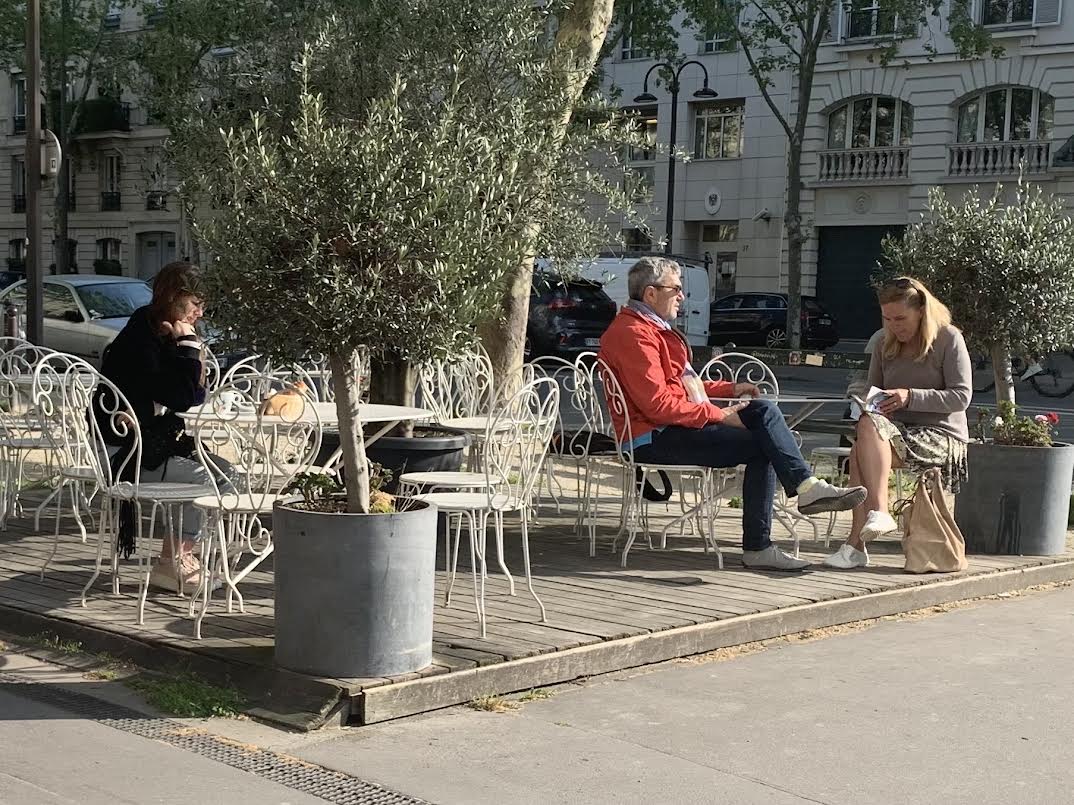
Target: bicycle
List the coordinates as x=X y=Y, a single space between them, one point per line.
x=1052 y=376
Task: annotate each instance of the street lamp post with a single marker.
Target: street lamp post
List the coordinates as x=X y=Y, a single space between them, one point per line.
x=705 y=93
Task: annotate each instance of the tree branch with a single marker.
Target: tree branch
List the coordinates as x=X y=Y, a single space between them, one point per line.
x=762 y=84
x=784 y=41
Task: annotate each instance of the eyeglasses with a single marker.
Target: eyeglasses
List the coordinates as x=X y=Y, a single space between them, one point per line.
x=675 y=288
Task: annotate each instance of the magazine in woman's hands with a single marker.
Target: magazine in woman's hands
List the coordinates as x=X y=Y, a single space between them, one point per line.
x=871 y=403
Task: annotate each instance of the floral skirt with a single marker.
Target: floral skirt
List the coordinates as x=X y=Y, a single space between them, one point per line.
x=921 y=447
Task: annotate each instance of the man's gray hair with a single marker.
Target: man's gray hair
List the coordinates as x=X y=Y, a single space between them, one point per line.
x=649 y=271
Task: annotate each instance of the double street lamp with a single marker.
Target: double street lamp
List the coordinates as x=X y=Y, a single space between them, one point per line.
x=705 y=93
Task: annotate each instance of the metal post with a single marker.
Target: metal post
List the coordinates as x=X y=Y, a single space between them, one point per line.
x=34 y=272
x=671 y=166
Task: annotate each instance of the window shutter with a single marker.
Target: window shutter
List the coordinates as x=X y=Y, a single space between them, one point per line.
x=1046 y=12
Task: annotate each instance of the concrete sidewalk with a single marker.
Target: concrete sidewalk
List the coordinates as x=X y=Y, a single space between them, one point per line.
x=965 y=703
x=972 y=706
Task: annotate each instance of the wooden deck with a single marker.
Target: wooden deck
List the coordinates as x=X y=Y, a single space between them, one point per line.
x=601 y=618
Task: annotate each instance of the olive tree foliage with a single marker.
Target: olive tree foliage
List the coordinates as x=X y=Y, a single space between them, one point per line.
x=1005 y=270
x=209 y=63
x=377 y=191
x=781 y=41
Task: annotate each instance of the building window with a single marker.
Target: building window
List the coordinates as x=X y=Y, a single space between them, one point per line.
x=718 y=131
x=19 y=109
x=637 y=240
x=108 y=248
x=112 y=16
x=111 y=175
x=16 y=254
x=1006 y=12
x=1011 y=113
x=629 y=51
x=644 y=121
x=720 y=233
x=870 y=20
x=639 y=182
x=875 y=122
x=18 y=185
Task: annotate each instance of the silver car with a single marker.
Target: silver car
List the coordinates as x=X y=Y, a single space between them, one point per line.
x=83 y=313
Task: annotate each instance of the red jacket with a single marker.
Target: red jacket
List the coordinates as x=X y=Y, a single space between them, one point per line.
x=648 y=363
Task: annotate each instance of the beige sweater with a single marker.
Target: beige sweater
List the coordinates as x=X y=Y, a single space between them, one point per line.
x=940 y=385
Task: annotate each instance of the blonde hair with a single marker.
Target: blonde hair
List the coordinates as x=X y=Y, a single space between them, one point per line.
x=934 y=315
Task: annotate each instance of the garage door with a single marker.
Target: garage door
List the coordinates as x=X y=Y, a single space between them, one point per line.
x=845 y=262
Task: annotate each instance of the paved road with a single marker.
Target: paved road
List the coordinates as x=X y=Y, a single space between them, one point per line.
x=971 y=706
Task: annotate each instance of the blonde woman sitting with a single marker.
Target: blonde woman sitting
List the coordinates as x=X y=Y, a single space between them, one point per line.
x=923 y=367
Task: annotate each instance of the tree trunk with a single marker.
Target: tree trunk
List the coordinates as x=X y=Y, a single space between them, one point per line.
x=393 y=382
x=504 y=338
x=579 y=38
x=1001 y=366
x=355 y=465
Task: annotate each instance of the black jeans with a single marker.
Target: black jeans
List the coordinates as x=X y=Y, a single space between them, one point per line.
x=766 y=446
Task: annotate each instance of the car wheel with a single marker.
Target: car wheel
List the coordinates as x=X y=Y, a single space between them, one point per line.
x=775 y=338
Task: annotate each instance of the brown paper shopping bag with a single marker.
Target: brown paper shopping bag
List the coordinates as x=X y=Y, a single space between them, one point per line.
x=931 y=542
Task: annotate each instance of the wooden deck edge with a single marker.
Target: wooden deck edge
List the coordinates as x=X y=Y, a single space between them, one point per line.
x=432 y=693
x=280 y=697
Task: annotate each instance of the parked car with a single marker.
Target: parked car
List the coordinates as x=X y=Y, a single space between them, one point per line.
x=693 y=319
x=83 y=313
x=566 y=316
x=760 y=319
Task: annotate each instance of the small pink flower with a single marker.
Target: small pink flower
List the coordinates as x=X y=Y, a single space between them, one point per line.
x=1041 y=418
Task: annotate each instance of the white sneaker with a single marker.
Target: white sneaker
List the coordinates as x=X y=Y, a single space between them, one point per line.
x=823 y=497
x=877 y=524
x=772 y=558
x=847 y=557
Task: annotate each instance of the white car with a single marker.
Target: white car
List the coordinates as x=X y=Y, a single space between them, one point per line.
x=83 y=313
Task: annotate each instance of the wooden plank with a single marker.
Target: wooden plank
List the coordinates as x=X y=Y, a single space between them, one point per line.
x=394 y=701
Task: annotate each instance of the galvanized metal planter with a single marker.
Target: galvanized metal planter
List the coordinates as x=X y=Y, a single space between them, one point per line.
x=1017 y=499
x=354 y=592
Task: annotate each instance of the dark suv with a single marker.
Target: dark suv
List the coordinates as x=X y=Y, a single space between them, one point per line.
x=760 y=319
x=567 y=316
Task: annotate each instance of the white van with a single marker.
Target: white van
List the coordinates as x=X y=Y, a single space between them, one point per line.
x=693 y=318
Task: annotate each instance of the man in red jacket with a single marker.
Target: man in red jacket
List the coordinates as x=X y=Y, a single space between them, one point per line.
x=672 y=420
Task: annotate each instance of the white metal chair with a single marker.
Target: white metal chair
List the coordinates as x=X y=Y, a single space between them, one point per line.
x=267 y=452
x=738 y=367
x=20 y=429
x=516 y=445
x=635 y=514
x=257 y=377
x=458 y=387
x=100 y=436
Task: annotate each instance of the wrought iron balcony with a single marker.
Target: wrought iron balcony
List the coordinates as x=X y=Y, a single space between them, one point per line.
x=111 y=202
x=18 y=202
x=19 y=124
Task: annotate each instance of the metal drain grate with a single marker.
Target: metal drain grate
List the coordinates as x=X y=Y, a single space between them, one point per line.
x=332 y=786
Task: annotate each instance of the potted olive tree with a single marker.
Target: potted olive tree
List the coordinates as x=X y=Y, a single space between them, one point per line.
x=396 y=172
x=1005 y=270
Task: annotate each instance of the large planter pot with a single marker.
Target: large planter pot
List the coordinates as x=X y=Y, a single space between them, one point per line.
x=431 y=449
x=1017 y=499
x=354 y=592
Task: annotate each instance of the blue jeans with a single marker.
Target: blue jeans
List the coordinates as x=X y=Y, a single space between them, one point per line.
x=766 y=446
